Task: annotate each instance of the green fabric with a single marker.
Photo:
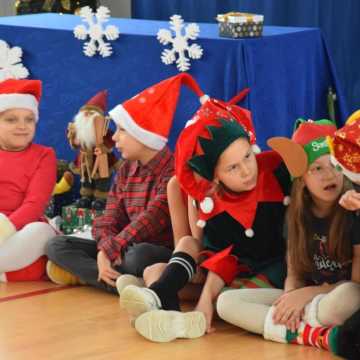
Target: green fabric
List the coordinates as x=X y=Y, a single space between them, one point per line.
x=291 y=336
x=221 y=137
x=316 y=148
x=333 y=340
x=300 y=121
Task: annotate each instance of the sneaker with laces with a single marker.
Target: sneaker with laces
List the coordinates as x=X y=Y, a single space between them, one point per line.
x=60 y=276
x=124 y=280
x=137 y=300
x=165 y=326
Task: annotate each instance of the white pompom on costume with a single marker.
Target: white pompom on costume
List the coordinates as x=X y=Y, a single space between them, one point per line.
x=207 y=205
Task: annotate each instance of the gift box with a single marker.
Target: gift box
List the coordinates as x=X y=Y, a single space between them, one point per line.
x=77 y=219
x=238 y=25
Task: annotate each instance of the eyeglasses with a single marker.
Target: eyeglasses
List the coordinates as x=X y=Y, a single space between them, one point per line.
x=321 y=171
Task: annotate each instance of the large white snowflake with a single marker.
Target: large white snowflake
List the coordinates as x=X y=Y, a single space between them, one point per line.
x=180 y=43
x=10 y=62
x=96 y=31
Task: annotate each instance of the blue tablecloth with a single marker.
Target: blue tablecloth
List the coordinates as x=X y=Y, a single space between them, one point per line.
x=288 y=71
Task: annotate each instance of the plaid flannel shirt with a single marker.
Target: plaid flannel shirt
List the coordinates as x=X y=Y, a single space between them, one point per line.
x=136 y=208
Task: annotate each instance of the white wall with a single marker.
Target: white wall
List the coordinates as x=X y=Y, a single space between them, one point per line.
x=119 y=8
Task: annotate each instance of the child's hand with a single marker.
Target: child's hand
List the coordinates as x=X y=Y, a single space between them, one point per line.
x=106 y=272
x=350 y=200
x=206 y=306
x=289 y=308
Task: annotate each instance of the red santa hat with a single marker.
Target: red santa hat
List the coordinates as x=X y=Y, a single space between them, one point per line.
x=345 y=149
x=148 y=116
x=97 y=102
x=24 y=94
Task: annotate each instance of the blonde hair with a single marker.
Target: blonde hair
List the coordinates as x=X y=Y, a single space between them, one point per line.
x=300 y=231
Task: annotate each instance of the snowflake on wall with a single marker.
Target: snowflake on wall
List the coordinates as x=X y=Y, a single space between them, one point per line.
x=95 y=31
x=180 y=43
x=10 y=62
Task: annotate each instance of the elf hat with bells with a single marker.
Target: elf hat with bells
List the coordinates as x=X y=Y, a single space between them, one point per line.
x=307 y=143
x=215 y=126
x=345 y=148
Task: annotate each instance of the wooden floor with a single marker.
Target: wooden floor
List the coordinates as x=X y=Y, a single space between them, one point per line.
x=45 y=321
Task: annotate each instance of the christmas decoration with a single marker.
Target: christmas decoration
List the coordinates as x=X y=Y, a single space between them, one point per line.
x=77 y=219
x=89 y=133
x=238 y=25
x=10 y=62
x=180 y=43
x=96 y=31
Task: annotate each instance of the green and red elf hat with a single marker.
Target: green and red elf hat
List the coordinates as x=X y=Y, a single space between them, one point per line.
x=199 y=132
x=213 y=128
x=345 y=148
x=307 y=143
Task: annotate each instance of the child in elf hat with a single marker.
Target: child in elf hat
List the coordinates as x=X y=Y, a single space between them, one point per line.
x=240 y=211
x=323 y=256
x=27 y=179
x=345 y=153
x=135 y=229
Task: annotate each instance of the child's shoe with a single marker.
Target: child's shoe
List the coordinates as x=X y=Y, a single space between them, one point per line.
x=137 y=300
x=124 y=280
x=165 y=326
x=60 y=276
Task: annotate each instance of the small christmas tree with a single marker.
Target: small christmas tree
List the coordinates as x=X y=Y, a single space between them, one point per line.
x=59 y=6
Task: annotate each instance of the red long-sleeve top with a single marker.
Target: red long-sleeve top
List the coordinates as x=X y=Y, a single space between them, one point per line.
x=27 y=179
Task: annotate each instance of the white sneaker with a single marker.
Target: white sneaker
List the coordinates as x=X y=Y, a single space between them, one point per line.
x=124 y=280
x=137 y=300
x=165 y=326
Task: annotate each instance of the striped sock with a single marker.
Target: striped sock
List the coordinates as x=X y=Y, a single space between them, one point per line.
x=258 y=281
x=179 y=271
x=321 y=337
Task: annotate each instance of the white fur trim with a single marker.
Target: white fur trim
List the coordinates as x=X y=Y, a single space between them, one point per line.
x=256 y=149
x=249 y=233
x=311 y=311
x=7 y=228
x=204 y=99
x=274 y=332
x=207 y=205
x=354 y=177
x=201 y=223
x=148 y=138
x=22 y=101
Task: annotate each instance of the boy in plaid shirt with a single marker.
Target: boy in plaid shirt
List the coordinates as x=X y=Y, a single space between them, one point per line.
x=135 y=229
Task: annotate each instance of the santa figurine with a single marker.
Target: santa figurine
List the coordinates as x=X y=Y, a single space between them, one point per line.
x=96 y=160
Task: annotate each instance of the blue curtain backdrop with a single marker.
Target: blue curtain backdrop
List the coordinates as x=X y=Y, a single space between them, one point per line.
x=338 y=19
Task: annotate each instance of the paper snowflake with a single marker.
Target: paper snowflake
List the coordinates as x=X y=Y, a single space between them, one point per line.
x=180 y=43
x=10 y=62
x=96 y=32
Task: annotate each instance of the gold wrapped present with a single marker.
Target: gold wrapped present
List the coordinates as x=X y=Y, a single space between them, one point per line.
x=240 y=25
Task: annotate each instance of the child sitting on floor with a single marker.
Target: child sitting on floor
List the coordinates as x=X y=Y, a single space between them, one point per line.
x=323 y=257
x=135 y=230
x=27 y=179
x=240 y=209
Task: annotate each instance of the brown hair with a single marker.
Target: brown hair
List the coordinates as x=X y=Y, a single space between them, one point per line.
x=300 y=232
